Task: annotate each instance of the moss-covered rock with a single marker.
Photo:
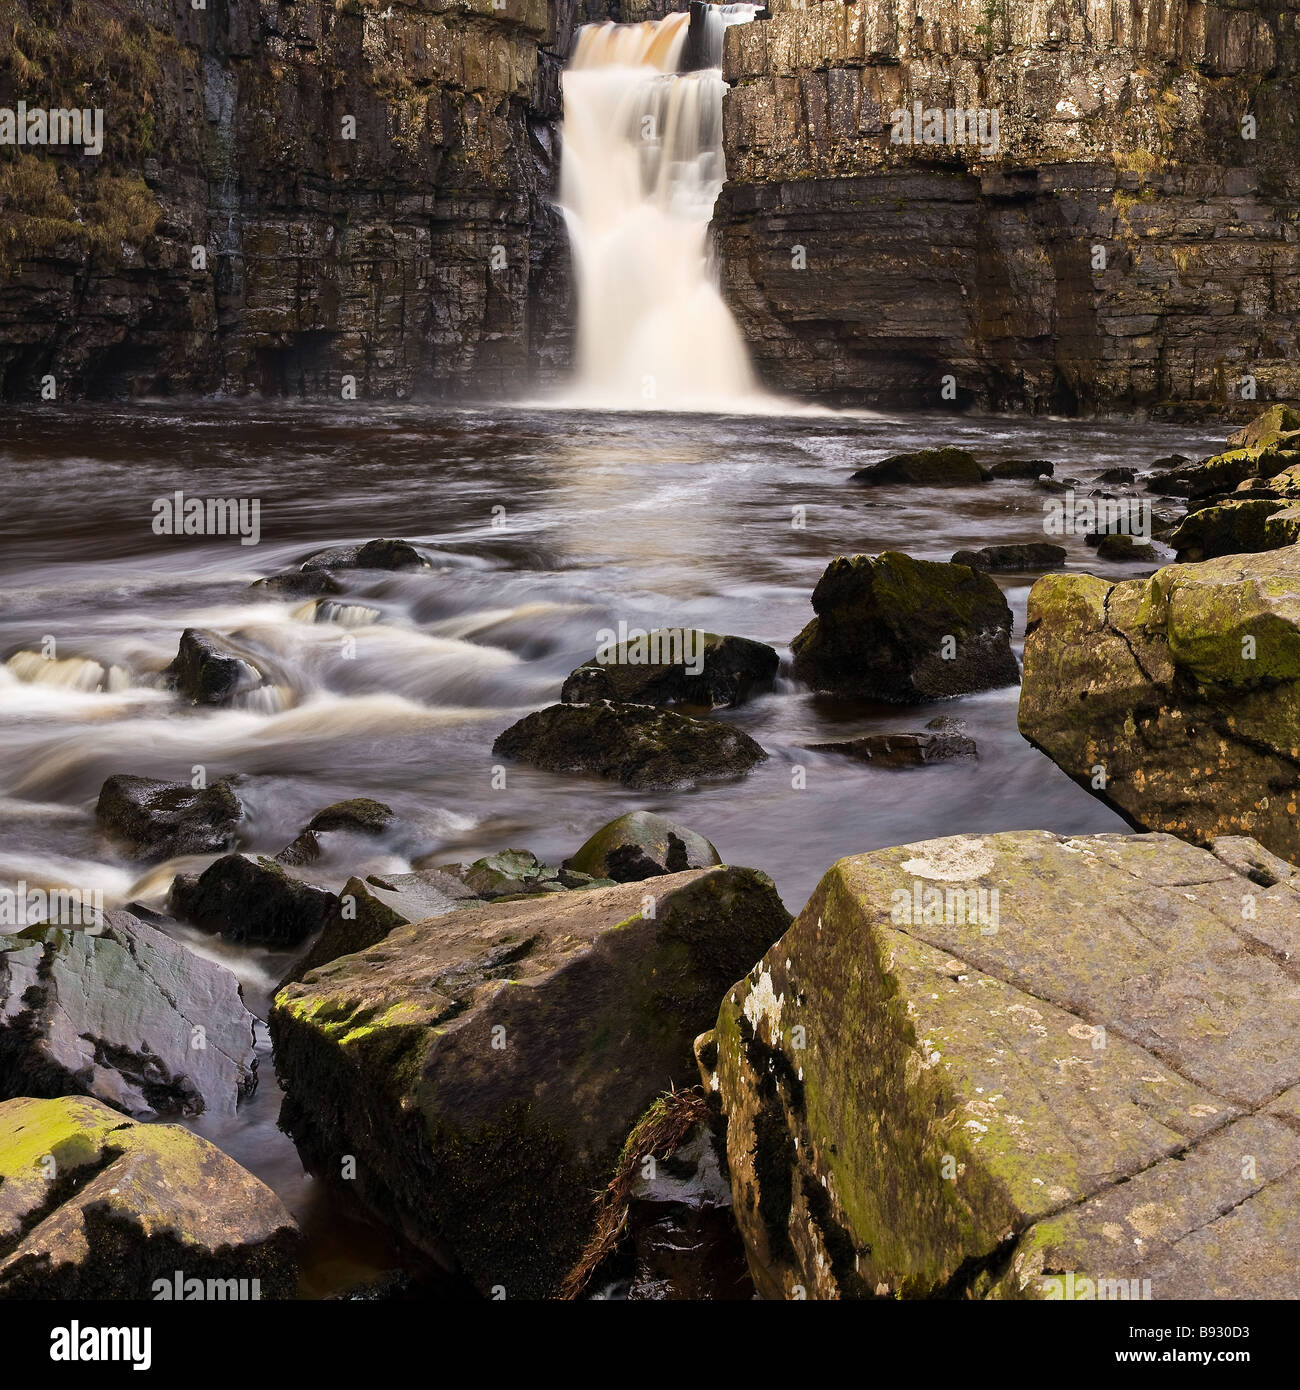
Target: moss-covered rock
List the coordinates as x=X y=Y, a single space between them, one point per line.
x=95 y=1206
x=1228 y=528
x=1175 y=699
x=640 y=746
x=970 y=1056
x=677 y=666
x=889 y=627
x=485 y=1075
x=151 y=819
x=642 y=845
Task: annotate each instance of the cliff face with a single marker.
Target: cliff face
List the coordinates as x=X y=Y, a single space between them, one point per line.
x=367 y=180
x=1120 y=127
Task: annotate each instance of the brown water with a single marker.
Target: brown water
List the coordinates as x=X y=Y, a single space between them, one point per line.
x=545 y=527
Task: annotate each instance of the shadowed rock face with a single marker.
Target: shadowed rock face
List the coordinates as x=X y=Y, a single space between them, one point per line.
x=93 y=1205
x=486 y=1068
x=1181 y=691
x=932 y=1092
x=863 y=271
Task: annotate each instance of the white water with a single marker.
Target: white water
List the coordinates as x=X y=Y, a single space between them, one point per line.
x=641 y=169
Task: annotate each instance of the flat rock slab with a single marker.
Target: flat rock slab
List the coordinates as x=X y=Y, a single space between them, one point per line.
x=124 y=1014
x=485 y=1068
x=975 y=1063
x=1175 y=699
x=93 y=1205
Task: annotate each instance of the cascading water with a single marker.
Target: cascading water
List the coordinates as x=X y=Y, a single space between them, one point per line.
x=641 y=168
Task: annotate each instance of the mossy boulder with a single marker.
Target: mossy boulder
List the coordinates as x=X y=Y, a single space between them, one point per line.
x=1228 y=528
x=946 y=467
x=151 y=820
x=892 y=628
x=675 y=666
x=1118 y=547
x=1266 y=428
x=123 y=1013
x=252 y=899
x=642 y=845
x=645 y=748
x=96 y=1206
x=976 y=1063
x=207 y=671
x=1175 y=699
x=485 y=1075
x=1012 y=559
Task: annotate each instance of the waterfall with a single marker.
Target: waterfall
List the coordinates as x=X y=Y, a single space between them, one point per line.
x=641 y=168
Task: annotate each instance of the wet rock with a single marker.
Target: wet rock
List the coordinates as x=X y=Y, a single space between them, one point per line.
x=642 y=747
x=1182 y=688
x=373 y=555
x=946 y=467
x=1023 y=468
x=361 y=815
x=1057 y=485
x=151 y=819
x=1117 y=475
x=506 y=872
x=1214 y=475
x=675 y=667
x=933 y=1091
x=125 y=1014
x=251 y=899
x=485 y=1075
x=1114 y=545
x=207 y=672
x=893 y=628
x=941 y=740
x=1227 y=528
x=642 y=845
x=317 y=583
x=1012 y=559
x=95 y=1206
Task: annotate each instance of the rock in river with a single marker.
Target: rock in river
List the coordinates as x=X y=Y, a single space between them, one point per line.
x=642 y=747
x=154 y=820
x=1175 y=699
x=124 y=1014
x=642 y=845
x=974 y=1066
x=675 y=666
x=93 y=1205
x=208 y=672
x=1012 y=559
x=248 y=899
x=485 y=1075
x=947 y=467
x=892 y=628
x=941 y=740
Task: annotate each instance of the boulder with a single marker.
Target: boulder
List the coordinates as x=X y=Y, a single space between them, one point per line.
x=1116 y=545
x=644 y=748
x=1266 y=428
x=485 y=1075
x=252 y=899
x=1012 y=559
x=1226 y=528
x=152 y=820
x=297 y=584
x=1221 y=473
x=946 y=467
x=1117 y=475
x=980 y=1066
x=95 y=1206
x=208 y=672
x=1023 y=468
x=373 y=555
x=1175 y=699
x=642 y=845
x=358 y=816
x=941 y=740
x=125 y=1014
x=893 y=628
x=675 y=667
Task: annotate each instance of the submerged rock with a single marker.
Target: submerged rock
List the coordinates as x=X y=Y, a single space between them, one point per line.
x=642 y=845
x=95 y=1206
x=485 y=1075
x=946 y=467
x=207 y=672
x=1012 y=559
x=125 y=1014
x=645 y=748
x=1175 y=699
x=298 y=584
x=941 y=740
x=690 y=668
x=252 y=899
x=152 y=819
x=977 y=1063
x=892 y=628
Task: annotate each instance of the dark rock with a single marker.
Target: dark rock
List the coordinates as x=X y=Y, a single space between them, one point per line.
x=313 y=583
x=942 y=739
x=1023 y=468
x=642 y=845
x=1012 y=559
x=731 y=670
x=1227 y=528
x=486 y=1074
x=1117 y=475
x=373 y=555
x=154 y=820
x=127 y=1205
x=1114 y=545
x=359 y=816
x=254 y=900
x=207 y=672
x=113 y=1013
x=902 y=630
x=642 y=747
x=946 y=467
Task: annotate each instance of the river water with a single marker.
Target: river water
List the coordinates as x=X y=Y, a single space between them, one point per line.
x=544 y=527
